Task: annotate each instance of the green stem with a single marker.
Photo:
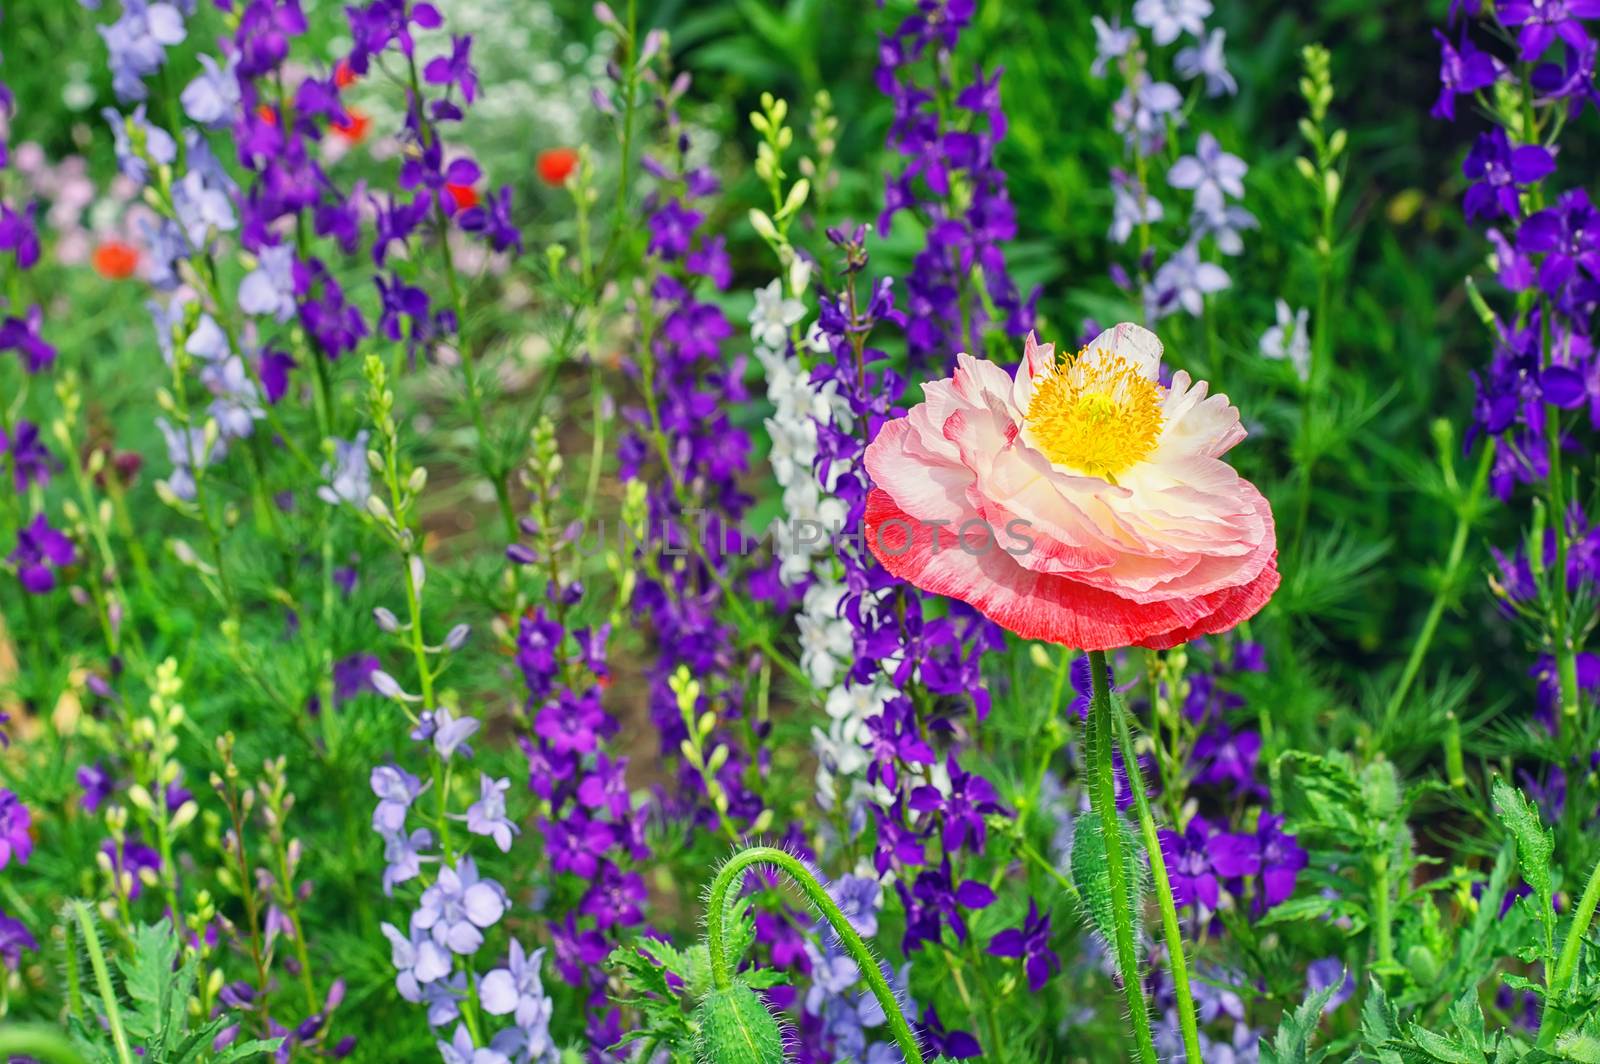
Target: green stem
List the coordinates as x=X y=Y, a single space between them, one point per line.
x=1567 y=965
x=806 y=880
x=102 y=978
x=1441 y=597
x=1176 y=961
x=1103 y=799
x=1380 y=910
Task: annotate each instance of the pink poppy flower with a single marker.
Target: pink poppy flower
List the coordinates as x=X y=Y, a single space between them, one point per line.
x=1081 y=503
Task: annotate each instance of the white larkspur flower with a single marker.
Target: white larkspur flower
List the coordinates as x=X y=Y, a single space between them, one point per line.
x=773 y=316
x=1290 y=338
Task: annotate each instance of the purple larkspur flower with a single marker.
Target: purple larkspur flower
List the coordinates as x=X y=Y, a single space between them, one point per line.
x=22 y=336
x=492 y=218
x=31 y=461
x=1200 y=858
x=134 y=860
x=459 y=905
x=962 y=809
x=935 y=901
x=1543 y=22
x=671 y=229
x=454 y=69
x=1331 y=971
x=40 y=551
x=1211 y=173
x=137 y=44
x=1464 y=69
x=1167 y=20
x=271 y=287
x=1281 y=859
x=16 y=829
x=572 y=723
x=1030 y=944
x=403 y=857
x=1498 y=172
x=1567 y=235
x=19 y=236
x=14 y=938
x=96 y=784
x=1206 y=59
x=577 y=844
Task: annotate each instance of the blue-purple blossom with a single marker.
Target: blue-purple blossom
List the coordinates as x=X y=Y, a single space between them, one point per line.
x=1211 y=173
x=1200 y=858
x=187 y=450
x=396 y=790
x=1112 y=41
x=137 y=143
x=447 y=732
x=14 y=938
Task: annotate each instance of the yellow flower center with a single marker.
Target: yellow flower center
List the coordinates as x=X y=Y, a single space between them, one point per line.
x=1098 y=416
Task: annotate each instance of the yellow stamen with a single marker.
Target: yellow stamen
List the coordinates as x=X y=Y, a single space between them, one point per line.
x=1098 y=416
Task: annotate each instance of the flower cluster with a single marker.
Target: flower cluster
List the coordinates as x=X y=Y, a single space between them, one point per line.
x=958 y=287
x=1146 y=115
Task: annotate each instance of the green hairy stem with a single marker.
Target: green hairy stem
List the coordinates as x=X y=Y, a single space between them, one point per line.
x=1103 y=798
x=722 y=965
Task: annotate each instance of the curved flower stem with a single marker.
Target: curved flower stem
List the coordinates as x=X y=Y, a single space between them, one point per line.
x=1103 y=799
x=1567 y=964
x=806 y=880
x=1176 y=961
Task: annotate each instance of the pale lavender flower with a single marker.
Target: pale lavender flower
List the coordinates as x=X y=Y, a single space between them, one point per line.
x=269 y=289
x=487 y=816
x=207 y=342
x=237 y=406
x=518 y=990
x=213 y=96
x=1212 y=173
x=137 y=44
x=442 y=997
x=1129 y=208
x=202 y=205
x=1140 y=113
x=186 y=449
x=418 y=960
x=402 y=855
x=1183 y=282
x=1225 y=226
x=348 y=475
x=1168 y=19
x=445 y=731
x=1206 y=59
x=396 y=790
x=461 y=1050
x=1290 y=339
x=1111 y=42
x=458 y=906
x=157 y=144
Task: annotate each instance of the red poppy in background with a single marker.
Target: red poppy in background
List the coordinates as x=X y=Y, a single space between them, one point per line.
x=465 y=196
x=353 y=129
x=115 y=260
x=555 y=164
x=343 y=76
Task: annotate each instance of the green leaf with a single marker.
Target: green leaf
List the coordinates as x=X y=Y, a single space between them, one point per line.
x=1535 y=843
x=1092 y=876
x=1292 y=1043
